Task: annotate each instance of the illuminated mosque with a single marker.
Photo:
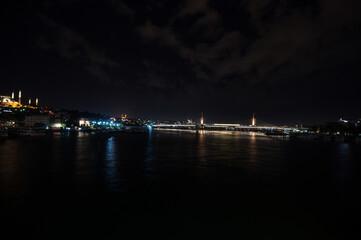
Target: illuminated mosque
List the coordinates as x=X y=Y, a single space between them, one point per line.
x=9 y=101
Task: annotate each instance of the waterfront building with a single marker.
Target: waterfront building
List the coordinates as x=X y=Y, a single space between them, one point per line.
x=84 y=122
x=31 y=121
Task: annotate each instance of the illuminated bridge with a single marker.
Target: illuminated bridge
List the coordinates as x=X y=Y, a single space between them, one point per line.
x=225 y=126
x=220 y=126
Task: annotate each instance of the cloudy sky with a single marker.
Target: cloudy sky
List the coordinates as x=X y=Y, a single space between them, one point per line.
x=287 y=61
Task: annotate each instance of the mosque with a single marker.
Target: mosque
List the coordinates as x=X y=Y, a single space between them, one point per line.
x=9 y=101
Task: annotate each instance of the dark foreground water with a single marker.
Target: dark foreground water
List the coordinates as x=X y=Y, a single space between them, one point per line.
x=178 y=185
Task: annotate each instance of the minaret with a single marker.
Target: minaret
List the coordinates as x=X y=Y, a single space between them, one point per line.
x=12 y=95
x=36 y=101
x=20 y=97
x=29 y=101
x=253 y=121
x=202 y=119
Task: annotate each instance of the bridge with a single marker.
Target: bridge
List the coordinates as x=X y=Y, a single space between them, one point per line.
x=225 y=126
x=220 y=126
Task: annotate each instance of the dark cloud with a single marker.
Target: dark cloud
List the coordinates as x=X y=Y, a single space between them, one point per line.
x=73 y=46
x=164 y=36
x=287 y=36
x=122 y=8
x=207 y=15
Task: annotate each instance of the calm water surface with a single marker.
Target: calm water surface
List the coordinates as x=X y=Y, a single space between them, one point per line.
x=179 y=185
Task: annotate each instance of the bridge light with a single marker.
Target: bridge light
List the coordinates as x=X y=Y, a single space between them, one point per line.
x=253 y=121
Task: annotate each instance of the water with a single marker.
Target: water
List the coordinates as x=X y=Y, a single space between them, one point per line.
x=178 y=184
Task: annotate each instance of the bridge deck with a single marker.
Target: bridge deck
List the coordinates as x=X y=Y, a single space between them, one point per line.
x=226 y=126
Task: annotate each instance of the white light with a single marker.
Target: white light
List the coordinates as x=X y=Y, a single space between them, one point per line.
x=226 y=124
x=57 y=125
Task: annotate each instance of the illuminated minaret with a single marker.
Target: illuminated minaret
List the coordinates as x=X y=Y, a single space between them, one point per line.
x=20 y=97
x=29 y=101
x=12 y=95
x=253 y=121
x=36 y=101
x=202 y=119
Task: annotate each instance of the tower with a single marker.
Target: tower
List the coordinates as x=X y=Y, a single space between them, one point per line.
x=36 y=101
x=253 y=121
x=20 y=97
x=12 y=95
x=29 y=101
x=202 y=119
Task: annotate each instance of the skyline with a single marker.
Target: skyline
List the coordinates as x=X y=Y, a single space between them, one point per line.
x=290 y=63
x=11 y=101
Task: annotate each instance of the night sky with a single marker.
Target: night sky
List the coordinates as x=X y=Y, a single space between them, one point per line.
x=290 y=62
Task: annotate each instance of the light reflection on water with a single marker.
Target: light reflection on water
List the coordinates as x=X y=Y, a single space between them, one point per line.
x=206 y=156
x=10 y=168
x=110 y=164
x=168 y=174
x=149 y=157
x=202 y=151
x=253 y=153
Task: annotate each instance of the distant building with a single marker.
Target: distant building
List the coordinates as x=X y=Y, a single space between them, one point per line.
x=7 y=101
x=124 y=118
x=350 y=122
x=84 y=122
x=31 y=121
